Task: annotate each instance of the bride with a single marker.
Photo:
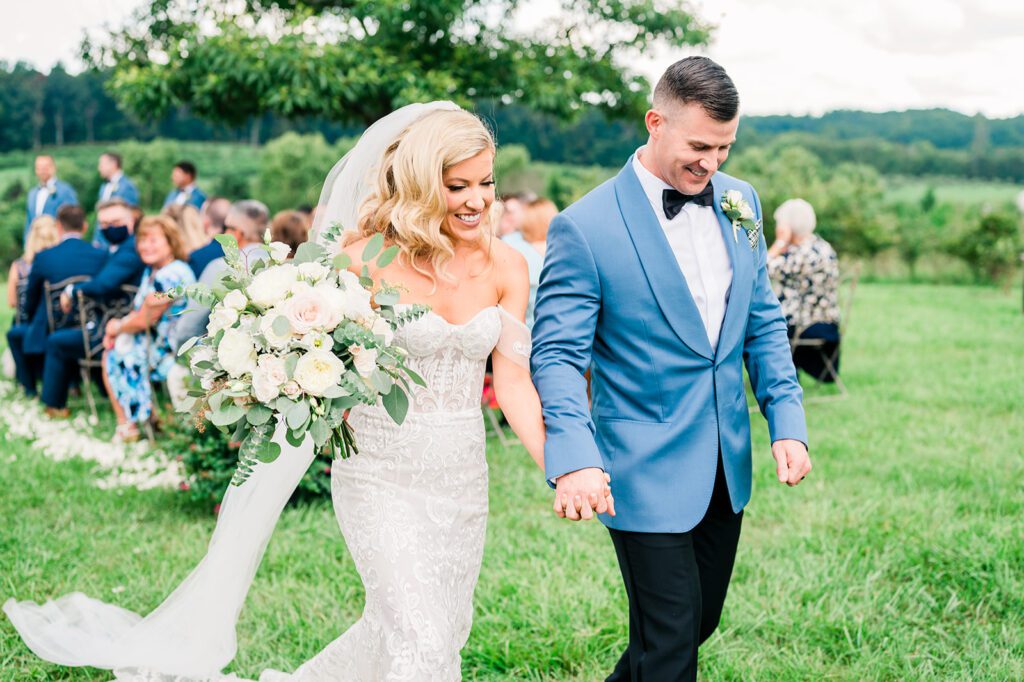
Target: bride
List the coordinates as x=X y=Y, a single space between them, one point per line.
x=412 y=505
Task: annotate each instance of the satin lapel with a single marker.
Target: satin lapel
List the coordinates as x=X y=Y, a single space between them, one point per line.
x=659 y=263
x=742 y=258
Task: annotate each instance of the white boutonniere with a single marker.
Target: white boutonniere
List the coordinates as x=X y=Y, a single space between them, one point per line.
x=739 y=211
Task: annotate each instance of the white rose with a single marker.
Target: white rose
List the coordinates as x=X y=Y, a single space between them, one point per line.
x=381 y=327
x=746 y=212
x=313 y=271
x=235 y=299
x=275 y=340
x=271 y=285
x=201 y=354
x=734 y=196
x=317 y=341
x=221 y=317
x=317 y=371
x=308 y=311
x=335 y=300
x=291 y=389
x=365 y=360
x=357 y=299
x=268 y=378
x=237 y=353
x=279 y=251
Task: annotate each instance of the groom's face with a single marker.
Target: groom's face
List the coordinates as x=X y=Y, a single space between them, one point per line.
x=687 y=146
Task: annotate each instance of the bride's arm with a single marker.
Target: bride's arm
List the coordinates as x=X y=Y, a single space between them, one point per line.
x=513 y=386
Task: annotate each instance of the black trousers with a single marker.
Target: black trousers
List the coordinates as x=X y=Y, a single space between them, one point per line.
x=64 y=348
x=676 y=584
x=28 y=367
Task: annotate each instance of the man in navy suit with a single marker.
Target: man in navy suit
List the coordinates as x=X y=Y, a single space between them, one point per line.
x=47 y=197
x=69 y=258
x=183 y=175
x=65 y=348
x=214 y=213
x=116 y=185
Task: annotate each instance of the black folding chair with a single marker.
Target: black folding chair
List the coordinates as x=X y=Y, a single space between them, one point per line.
x=56 y=318
x=93 y=316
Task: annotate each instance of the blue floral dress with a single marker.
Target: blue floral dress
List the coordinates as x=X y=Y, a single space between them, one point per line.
x=127 y=361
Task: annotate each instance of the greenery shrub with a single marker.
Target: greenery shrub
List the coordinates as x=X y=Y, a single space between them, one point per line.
x=992 y=247
x=293 y=168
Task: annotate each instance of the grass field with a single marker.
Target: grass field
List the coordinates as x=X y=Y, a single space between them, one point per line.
x=900 y=558
x=952 y=190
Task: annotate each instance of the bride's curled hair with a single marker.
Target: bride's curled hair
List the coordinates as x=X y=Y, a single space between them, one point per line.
x=407 y=204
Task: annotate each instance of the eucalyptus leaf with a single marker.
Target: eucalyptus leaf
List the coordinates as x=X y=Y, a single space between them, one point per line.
x=320 y=431
x=387 y=256
x=342 y=261
x=386 y=297
x=414 y=377
x=187 y=346
x=308 y=252
x=259 y=414
x=294 y=438
x=335 y=392
x=281 y=325
x=373 y=247
x=381 y=381
x=298 y=414
x=290 y=361
x=396 y=402
x=227 y=414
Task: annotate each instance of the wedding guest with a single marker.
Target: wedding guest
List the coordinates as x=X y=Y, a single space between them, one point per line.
x=513 y=209
x=116 y=185
x=307 y=213
x=123 y=266
x=215 y=210
x=290 y=227
x=69 y=258
x=531 y=241
x=43 y=234
x=183 y=176
x=805 y=270
x=138 y=345
x=190 y=223
x=47 y=197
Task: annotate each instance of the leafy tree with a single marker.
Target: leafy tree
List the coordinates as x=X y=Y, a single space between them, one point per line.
x=355 y=60
x=992 y=247
x=293 y=168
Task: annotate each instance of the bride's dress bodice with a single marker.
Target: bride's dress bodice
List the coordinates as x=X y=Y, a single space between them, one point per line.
x=451 y=358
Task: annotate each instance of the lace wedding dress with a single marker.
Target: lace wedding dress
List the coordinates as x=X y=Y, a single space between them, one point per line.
x=412 y=506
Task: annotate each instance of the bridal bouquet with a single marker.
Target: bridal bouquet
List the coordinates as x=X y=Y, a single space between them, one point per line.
x=299 y=341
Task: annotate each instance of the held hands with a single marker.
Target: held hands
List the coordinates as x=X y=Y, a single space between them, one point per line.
x=578 y=495
x=792 y=461
x=65 y=302
x=111 y=332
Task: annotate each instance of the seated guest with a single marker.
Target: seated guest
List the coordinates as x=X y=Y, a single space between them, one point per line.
x=69 y=258
x=49 y=195
x=116 y=185
x=805 y=271
x=215 y=210
x=290 y=227
x=513 y=210
x=246 y=222
x=183 y=176
x=43 y=235
x=531 y=241
x=138 y=345
x=65 y=347
x=190 y=224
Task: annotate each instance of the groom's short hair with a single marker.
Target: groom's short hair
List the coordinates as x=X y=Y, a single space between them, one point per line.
x=701 y=81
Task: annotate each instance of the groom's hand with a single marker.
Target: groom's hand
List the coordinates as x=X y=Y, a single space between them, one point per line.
x=792 y=461
x=579 y=494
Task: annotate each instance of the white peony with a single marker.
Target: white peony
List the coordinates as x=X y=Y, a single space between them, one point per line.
x=364 y=359
x=357 y=299
x=270 y=286
x=237 y=353
x=311 y=310
x=746 y=212
x=268 y=378
x=734 y=196
x=279 y=251
x=313 y=271
x=381 y=327
x=275 y=340
x=235 y=299
x=221 y=317
x=317 y=371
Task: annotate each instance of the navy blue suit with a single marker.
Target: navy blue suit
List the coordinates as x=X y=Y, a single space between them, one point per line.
x=203 y=256
x=122 y=267
x=196 y=197
x=62 y=194
x=28 y=342
x=124 y=189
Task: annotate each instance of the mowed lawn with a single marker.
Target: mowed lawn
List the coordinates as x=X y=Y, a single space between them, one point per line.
x=900 y=558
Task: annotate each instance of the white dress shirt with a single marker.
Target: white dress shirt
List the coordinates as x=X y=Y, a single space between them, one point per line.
x=183 y=194
x=111 y=185
x=43 y=194
x=695 y=236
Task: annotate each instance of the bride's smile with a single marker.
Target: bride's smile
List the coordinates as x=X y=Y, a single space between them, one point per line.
x=469 y=193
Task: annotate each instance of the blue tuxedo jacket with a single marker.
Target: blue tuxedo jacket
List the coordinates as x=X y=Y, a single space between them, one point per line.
x=124 y=189
x=63 y=194
x=613 y=299
x=122 y=267
x=196 y=198
x=69 y=258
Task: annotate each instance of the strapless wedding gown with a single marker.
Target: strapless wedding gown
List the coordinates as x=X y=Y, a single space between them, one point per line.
x=412 y=506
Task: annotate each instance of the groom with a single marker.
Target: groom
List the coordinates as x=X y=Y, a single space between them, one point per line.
x=648 y=283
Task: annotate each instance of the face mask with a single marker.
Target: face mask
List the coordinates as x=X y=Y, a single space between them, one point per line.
x=115 y=234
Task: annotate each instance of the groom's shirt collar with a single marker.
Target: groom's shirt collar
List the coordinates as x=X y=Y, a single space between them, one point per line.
x=653 y=185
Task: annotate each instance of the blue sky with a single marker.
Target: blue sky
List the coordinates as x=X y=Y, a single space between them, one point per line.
x=786 y=56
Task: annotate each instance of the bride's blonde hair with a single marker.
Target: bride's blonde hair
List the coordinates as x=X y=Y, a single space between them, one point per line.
x=408 y=204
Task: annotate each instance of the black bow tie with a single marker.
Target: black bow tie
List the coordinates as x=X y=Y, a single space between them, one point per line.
x=672 y=200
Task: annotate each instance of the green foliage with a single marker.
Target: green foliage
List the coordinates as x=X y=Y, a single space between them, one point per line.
x=354 y=61
x=293 y=167
x=992 y=248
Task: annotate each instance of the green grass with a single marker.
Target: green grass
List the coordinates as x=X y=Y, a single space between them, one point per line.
x=951 y=190
x=901 y=557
